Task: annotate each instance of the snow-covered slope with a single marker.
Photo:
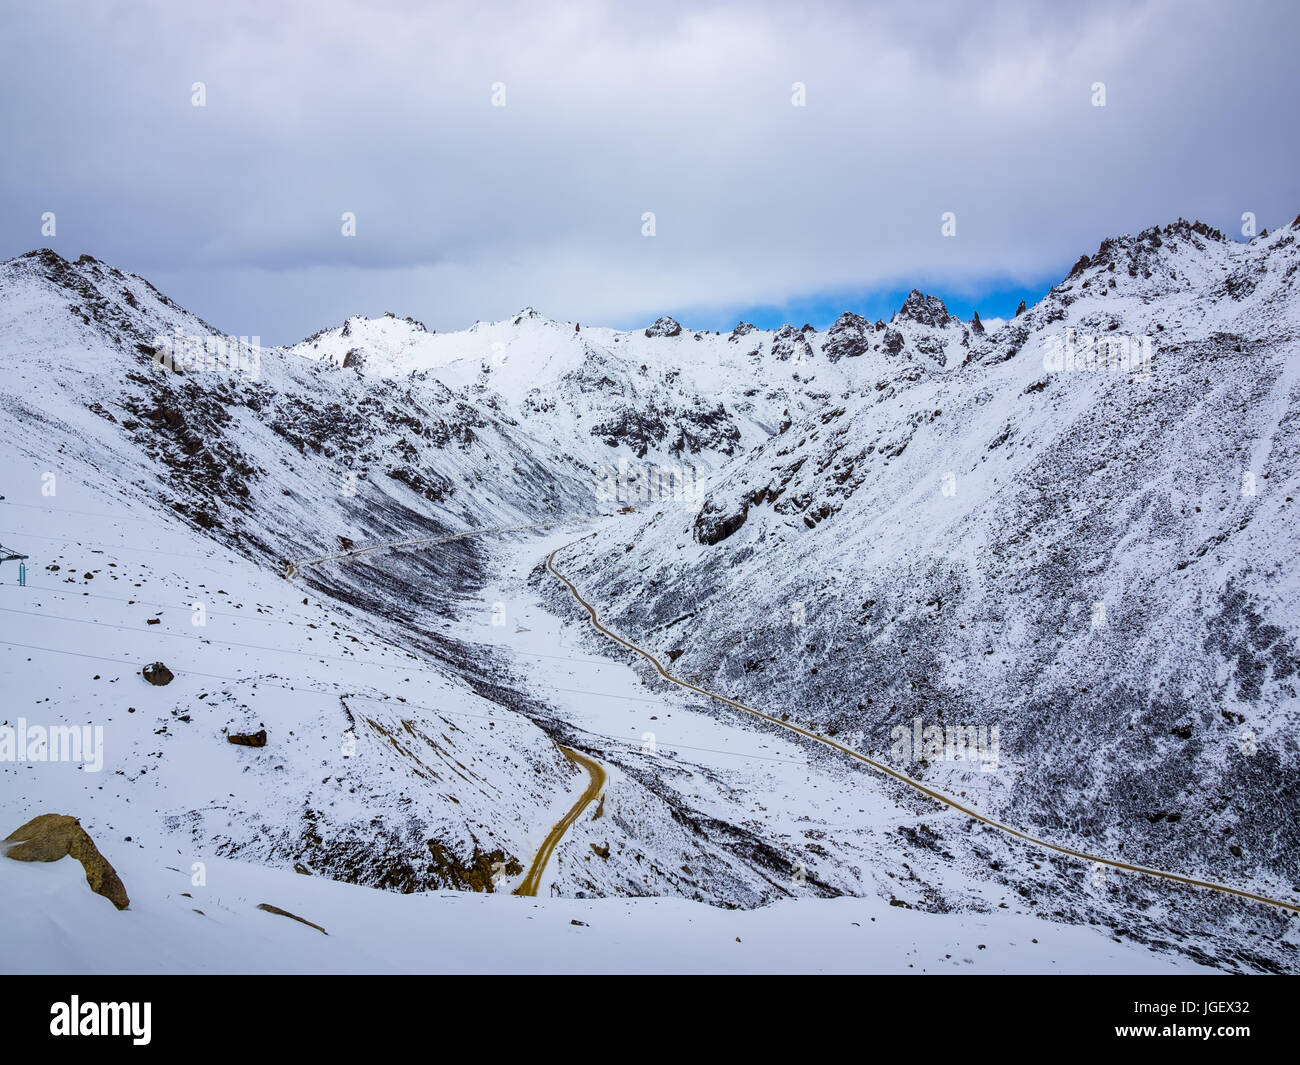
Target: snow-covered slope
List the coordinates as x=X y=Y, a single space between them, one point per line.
x=178 y=928
x=1102 y=563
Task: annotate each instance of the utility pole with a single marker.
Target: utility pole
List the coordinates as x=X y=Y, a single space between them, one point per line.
x=7 y=555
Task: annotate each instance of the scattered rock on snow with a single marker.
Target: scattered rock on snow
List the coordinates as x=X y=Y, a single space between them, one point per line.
x=292 y=916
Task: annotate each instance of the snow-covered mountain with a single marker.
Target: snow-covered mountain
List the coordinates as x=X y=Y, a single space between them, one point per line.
x=1092 y=548
x=969 y=524
x=664 y=394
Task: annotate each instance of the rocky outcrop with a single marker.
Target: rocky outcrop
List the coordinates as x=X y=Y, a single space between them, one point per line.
x=248 y=739
x=664 y=327
x=482 y=872
x=923 y=309
x=50 y=837
x=848 y=337
x=790 y=344
x=716 y=521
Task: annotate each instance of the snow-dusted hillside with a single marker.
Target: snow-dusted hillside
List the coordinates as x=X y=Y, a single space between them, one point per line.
x=1100 y=562
x=139 y=492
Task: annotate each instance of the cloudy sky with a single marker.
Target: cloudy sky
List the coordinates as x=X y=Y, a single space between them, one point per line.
x=762 y=209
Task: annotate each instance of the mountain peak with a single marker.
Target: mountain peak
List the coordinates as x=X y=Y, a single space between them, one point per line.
x=923 y=309
x=664 y=327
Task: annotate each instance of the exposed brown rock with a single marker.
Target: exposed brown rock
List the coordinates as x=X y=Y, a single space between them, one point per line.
x=293 y=916
x=157 y=673
x=477 y=873
x=248 y=739
x=49 y=837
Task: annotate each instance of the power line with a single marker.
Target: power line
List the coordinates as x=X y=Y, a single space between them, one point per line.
x=98 y=543
x=351 y=659
x=270 y=621
x=376 y=699
x=84 y=513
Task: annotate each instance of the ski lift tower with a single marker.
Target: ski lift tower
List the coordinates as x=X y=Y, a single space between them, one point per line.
x=6 y=555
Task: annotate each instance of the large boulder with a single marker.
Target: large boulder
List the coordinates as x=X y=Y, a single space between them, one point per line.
x=49 y=837
x=157 y=673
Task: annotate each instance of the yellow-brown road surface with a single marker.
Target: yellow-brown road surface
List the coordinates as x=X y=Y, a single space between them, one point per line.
x=533 y=879
x=903 y=778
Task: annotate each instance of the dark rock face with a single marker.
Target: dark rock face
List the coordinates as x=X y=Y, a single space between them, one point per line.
x=248 y=739
x=49 y=837
x=664 y=327
x=790 y=344
x=698 y=427
x=893 y=341
x=742 y=329
x=848 y=337
x=714 y=523
x=158 y=674
x=354 y=358
x=976 y=326
x=1020 y=310
x=924 y=310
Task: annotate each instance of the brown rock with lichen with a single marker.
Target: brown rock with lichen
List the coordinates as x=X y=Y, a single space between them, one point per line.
x=49 y=837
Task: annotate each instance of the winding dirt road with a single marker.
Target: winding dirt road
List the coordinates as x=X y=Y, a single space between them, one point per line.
x=901 y=777
x=533 y=878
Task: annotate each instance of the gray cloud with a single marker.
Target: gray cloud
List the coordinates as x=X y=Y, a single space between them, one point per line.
x=469 y=211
